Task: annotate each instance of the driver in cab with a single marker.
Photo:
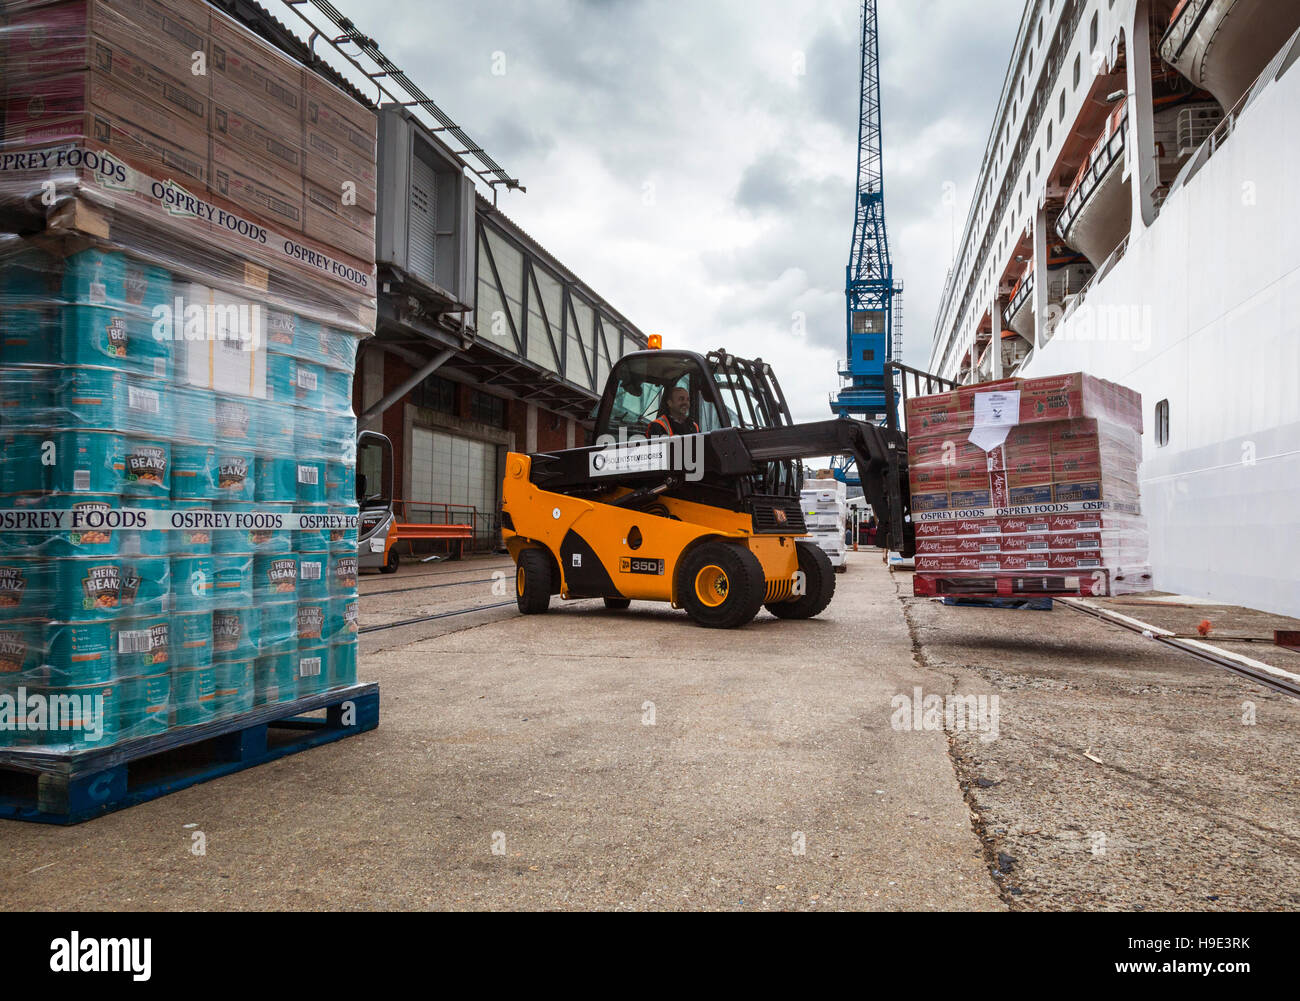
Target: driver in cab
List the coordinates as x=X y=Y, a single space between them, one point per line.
x=677 y=418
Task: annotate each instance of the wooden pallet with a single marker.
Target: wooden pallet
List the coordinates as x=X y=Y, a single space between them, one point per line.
x=53 y=788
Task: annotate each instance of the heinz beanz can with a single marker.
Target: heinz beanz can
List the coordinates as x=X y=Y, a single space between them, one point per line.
x=193 y=582
x=83 y=462
x=276 y=478
x=146 y=586
x=194 y=527
x=23 y=469
x=22 y=652
x=277 y=626
x=26 y=589
x=143 y=646
x=146 y=705
x=194 y=472
x=343 y=663
x=80 y=653
x=191 y=640
x=88 y=398
x=236 y=419
x=313 y=618
x=345 y=620
x=232 y=580
x=234 y=687
x=312 y=669
x=86 y=588
x=148 y=403
x=274 y=679
x=235 y=472
x=313 y=575
x=147 y=471
x=194 y=694
x=276 y=577
x=343 y=576
x=235 y=634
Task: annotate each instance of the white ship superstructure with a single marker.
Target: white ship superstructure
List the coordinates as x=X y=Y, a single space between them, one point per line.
x=1137 y=217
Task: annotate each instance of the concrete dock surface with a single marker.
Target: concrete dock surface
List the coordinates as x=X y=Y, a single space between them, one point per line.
x=894 y=754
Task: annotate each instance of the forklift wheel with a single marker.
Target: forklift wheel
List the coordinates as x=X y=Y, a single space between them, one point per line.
x=618 y=604
x=721 y=585
x=393 y=560
x=819 y=585
x=533 y=582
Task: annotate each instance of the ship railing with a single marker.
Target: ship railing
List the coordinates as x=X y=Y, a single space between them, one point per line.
x=1284 y=60
x=1195 y=126
x=1102 y=272
x=1022 y=295
x=1092 y=177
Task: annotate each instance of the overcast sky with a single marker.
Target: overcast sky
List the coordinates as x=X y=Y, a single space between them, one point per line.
x=695 y=162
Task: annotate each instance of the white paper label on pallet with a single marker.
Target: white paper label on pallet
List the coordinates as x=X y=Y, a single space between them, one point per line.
x=309 y=475
x=98 y=294
x=309 y=667
x=310 y=570
x=307 y=380
x=995 y=415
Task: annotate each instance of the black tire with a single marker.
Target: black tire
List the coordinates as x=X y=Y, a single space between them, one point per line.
x=618 y=604
x=721 y=585
x=819 y=585
x=533 y=582
x=393 y=562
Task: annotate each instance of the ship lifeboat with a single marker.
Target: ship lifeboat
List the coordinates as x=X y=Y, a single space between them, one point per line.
x=1020 y=307
x=1224 y=45
x=1098 y=208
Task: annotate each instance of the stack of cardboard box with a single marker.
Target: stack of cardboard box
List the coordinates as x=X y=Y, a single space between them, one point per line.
x=178 y=89
x=1028 y=484
x=825 y=507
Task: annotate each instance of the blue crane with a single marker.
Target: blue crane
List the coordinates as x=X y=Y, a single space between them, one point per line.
x=870 y=290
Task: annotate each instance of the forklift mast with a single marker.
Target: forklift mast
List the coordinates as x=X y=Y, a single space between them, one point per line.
x=747 y=456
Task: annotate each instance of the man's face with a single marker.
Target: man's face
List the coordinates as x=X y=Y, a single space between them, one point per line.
x=679 y=403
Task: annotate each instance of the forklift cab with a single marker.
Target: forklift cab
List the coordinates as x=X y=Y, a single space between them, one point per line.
x=375 y=500
x=725 y=392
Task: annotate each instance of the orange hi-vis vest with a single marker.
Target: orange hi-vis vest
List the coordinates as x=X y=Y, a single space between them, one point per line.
x=667 y=425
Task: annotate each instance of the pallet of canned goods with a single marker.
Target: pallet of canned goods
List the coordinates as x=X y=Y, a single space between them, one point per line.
x=178 y=517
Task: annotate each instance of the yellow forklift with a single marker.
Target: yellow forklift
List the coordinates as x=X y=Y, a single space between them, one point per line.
x=692 y=498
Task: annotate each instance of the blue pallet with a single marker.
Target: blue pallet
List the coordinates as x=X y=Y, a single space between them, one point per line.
x=1026 y=604
x=69 y=789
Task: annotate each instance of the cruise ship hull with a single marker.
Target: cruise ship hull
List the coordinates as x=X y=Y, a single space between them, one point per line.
x=1203 y=310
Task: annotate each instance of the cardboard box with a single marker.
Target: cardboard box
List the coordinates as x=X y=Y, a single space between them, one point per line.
x=88 y=107
x=254 y=79
x=64 y=36
x=329 y=230
x=240 y=131
x=331 y=202
x=255 y=189
x=1055 y=398
x=339 y=138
